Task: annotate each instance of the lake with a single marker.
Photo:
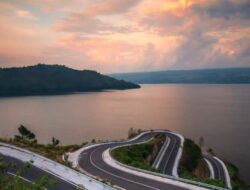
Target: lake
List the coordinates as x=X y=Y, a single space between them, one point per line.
x=218 y=113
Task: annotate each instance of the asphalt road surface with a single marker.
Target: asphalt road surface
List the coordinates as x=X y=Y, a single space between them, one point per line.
x=32 y=174
x=167 y=162
x=92 y=162
x=219 y=172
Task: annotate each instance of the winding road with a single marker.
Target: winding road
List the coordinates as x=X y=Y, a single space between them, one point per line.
x=91 y=160
x=97 y=162
x=66 y=178
x=218 y=169
x=166 y=158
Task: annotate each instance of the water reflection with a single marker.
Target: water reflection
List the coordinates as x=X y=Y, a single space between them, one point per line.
x=219 y=113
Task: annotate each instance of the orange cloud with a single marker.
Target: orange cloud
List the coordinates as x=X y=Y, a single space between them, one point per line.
x=125 y=35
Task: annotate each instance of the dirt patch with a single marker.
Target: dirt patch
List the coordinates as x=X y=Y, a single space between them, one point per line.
x=202 y=170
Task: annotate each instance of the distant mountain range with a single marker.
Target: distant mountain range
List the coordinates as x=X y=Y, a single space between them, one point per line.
x=55 y=79
x=204 y=76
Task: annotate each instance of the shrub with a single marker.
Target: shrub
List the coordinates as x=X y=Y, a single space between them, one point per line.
x=26 y=133
x=135 y=155
x=191 y=155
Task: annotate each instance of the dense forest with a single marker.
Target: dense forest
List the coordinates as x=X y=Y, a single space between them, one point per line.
x=55 y=79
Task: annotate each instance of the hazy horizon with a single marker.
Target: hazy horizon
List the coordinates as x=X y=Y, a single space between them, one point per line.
x=116 y=36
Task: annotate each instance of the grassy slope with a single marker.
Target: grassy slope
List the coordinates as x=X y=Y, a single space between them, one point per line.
x=49 y=151
x=136 y=155
x=237 y=183
x=189 y=162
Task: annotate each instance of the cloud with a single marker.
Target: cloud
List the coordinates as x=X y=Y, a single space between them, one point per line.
x=80 y=23
x=204 y=26
x=89 y=21
x=25 y=15
x=126 y=35
x=224 y=9
x=108 y=7
x=196 y=49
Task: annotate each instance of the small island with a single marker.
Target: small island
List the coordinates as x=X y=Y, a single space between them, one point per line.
x=44 y=79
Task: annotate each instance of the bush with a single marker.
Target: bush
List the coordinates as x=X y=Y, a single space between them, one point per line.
x=135 y=155
x=188 y=175
x=237 y=183
x=55 y=141
x=26 y=133
x=133 y=132
x=191 y=155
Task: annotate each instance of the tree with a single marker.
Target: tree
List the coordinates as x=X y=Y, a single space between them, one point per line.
x=210 y=150
x=132 y=133
x=25 y=133
x=55 y=141
x=191 y=155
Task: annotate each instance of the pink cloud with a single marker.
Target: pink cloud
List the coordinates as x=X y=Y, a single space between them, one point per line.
x=126 y=35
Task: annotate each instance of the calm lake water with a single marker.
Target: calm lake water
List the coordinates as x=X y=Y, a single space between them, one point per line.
x=219 y=113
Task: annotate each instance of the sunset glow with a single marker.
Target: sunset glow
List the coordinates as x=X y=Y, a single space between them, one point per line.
x=125 y=35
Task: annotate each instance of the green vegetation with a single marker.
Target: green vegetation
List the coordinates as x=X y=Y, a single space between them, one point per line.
x=136 y=155
x=55 y=79
x=183 y=173
x=16 y=183
x=237 y=183
x=54 y=151
x=133 y=132
x=191 y=156
x=26 y=133
x=55 y=141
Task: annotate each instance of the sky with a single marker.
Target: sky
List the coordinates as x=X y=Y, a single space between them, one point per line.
x=113 y=36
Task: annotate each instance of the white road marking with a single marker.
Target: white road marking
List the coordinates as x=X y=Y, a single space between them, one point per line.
x=211 y=169
x=125 y=179
x=149 y=175
x=161 y=153
x=169 y=155
x=227 y=176
x=74 y=157
x=24 y=179
x=179 y=154
x=218 y=169
x=56 y=169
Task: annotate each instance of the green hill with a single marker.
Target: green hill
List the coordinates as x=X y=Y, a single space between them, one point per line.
x=203 y=76
x=44 y=79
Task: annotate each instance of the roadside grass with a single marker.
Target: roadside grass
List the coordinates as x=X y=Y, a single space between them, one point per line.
x=183 y=173
x=136 y=155
x=17 y=183
x=237 y=183
x=133 y=155
x=189 y=162
x=52 y=152
x=26 y=139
